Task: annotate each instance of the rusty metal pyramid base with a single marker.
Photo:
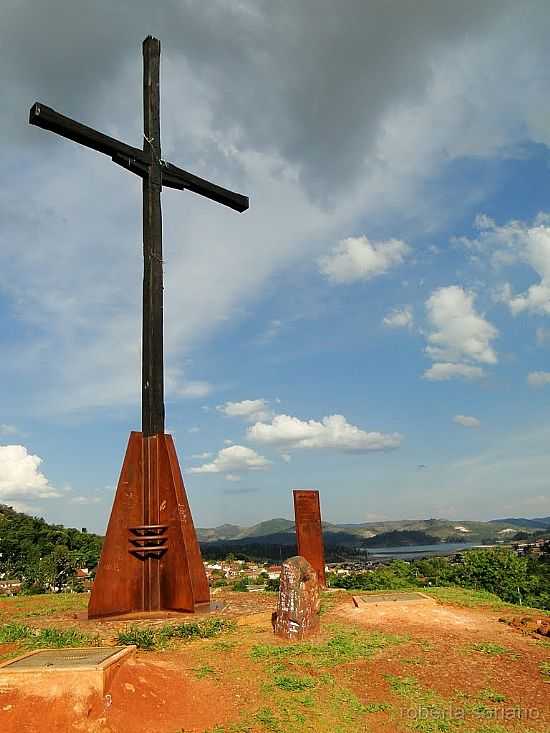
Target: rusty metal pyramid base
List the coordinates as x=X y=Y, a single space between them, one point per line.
x=151 y=559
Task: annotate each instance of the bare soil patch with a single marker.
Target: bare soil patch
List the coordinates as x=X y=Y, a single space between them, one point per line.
x=409 y=657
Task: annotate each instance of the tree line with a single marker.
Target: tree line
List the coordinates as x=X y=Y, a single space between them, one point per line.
x=43 y=556
x=513 y=578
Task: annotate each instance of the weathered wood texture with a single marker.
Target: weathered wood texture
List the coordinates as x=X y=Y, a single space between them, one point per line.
x=152 y=383
x=151 y=559
x=133 y=159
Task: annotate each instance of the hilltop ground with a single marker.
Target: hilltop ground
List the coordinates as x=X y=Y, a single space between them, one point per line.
x=440 y=665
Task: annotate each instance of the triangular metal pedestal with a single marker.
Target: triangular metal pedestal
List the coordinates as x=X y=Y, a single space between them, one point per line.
x=151 y=559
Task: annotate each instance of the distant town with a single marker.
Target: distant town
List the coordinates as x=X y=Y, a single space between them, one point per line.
x=36 y=557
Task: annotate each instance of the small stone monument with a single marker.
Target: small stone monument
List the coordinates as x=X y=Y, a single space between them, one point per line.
x=297 y=614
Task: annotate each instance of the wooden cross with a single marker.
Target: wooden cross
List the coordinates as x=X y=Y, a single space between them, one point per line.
x=155 y=173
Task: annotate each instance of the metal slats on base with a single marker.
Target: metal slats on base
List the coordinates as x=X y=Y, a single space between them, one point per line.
x=151 y=559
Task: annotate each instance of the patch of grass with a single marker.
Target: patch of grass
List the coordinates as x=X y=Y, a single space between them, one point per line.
x=44 y=604
x=342 y=646
x=426 y=711
x=469 y=598
x=268 y=719
x=158 y=638
x=425 y=645
x=14 y=632
x=293 y=683
x=480 y=710
x=545 y=670
x=205 y=629
x=143 y=638
x=338 y=712
x=31 y=638
x=231 y=728
x=224 y=646
x=315 y=702
x=329 y=599
x=377 y=707
x=492 y=649
x=350 y=707
x=60 y=638
x=466 y=597
x=204 y=671
x=404 y=686
x=491 y=695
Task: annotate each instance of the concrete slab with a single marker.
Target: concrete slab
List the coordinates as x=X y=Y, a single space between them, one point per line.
x=57 y=672
x=399 y=597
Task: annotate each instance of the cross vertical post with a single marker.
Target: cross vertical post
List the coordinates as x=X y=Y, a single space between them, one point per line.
x=152 y=366
x=151 y=558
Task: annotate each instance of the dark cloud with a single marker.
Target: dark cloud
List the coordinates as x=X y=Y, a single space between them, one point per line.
x=309 y=80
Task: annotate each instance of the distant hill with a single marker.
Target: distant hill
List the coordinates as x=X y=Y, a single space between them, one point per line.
x=234 y=532
x=24 y=540
x=282 y=531
x=405 y=538
x=520 y=522
x=223 y=532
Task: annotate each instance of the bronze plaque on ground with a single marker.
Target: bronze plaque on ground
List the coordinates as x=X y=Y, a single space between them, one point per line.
x=392 y=597
x=63 y=658
x=52 y=672
x=309 y=532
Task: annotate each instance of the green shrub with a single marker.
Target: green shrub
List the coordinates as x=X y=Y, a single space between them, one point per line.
x=143 y=638
x=241 y=585
x=293 y=683
x=32 y=638
x=148 y=639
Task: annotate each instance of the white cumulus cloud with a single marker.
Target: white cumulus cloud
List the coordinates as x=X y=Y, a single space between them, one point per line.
x=357 y=258
x=20 y=475
x=466 y=421
x=251 y=410
x=458 y=331
x=512 y=243
x=538 y=379
x=232 y=460
x=333 y=433
x=8 y=429
x=458 y=335
x=399 y=318
x=442 y=371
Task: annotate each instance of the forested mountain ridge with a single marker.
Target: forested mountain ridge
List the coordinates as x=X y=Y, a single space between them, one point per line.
x=438 y=530
x=39 y=552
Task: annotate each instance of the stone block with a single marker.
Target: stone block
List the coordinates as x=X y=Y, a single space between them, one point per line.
x=298 y=605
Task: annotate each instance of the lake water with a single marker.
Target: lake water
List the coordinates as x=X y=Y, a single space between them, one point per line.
x=414 y=552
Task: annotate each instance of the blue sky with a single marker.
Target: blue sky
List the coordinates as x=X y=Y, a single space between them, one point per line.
x=375 y=326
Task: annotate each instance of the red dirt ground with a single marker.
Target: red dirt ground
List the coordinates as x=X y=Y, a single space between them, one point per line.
x=159 y=692
x=448 y=662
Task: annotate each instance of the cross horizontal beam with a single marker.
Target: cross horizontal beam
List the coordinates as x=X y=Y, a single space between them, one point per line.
x=131 y=158
x=175 y=177
x=47 y=118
